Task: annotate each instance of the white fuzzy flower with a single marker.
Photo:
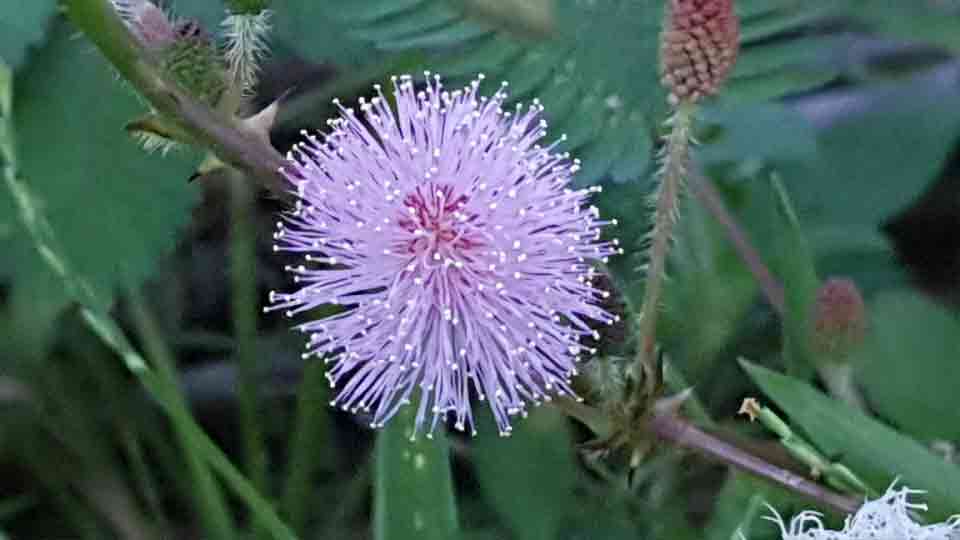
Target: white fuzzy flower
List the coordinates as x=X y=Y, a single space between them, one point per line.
x=886 y=518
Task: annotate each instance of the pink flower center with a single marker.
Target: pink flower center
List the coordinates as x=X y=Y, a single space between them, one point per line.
x=439 y=221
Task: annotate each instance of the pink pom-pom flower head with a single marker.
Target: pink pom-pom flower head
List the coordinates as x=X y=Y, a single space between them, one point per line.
x=462 y=258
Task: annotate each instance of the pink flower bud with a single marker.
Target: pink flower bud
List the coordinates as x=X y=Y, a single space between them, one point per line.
x=698 y=47
x=839 y=319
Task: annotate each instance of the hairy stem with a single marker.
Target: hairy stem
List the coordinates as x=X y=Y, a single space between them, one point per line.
x=232 y=143
x=675 y=158
x=674 y=429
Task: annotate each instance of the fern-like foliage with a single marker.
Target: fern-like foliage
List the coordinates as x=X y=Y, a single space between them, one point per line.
x=597 y=73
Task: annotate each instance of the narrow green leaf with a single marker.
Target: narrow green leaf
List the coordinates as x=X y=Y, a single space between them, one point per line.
x=873 y=450
x=784 y=21
x=414 y=22
x=413 y=487
x=753 y=11
x=775 y=82
x=486 y=55
x=309 y=445
x=635 y=160
x=587 y=51
x=201 y=452
x=313 y=30
x=533 y=68
x=368 y=12
x=210 y=503
x=762 y=132
x=934 y=23
x=786 y=49
x=738 y=505
x=454 y=34
x=627 y=202
x=793 y=263
x=783 y=53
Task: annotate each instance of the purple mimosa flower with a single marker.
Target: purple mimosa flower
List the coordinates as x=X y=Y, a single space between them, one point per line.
x=461 y=256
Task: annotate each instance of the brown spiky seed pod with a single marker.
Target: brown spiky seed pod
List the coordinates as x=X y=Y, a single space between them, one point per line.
x=698 y=47
x=839 y=319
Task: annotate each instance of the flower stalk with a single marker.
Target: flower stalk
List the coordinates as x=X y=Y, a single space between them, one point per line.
x=698 y=48
x=706 y=194
x=674 y=163
x=244 y=312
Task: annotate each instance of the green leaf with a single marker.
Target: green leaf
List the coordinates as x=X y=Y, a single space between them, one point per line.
x=762 y=132
x=312 y=30
x=627 y=203
x=413 y=488
x=310 y=446
x=22 y=23
x=800 y=282
x=113 y=209
x=515 y=472
x=739 y=505
x=877 y=159
x=873 y=270
x=776 y=229
x=597 y=74
x=709 y=291
x=908 y=366
x=932 y=23
x=873 y=450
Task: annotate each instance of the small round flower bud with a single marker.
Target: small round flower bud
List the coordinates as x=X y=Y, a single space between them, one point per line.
x=194 y=62
x=150 y=24
x=839 y=319
x=698 y=47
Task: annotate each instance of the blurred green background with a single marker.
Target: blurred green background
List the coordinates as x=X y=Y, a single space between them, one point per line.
x=834 y=145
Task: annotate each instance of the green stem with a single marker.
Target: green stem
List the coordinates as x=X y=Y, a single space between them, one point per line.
x=244 y=307
x=144 y=478
x=233 y=144
x=211 y=505
x=355 y=493
x=703 y=190
x=163 y=383
x=674 y=163
x=307 y=451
